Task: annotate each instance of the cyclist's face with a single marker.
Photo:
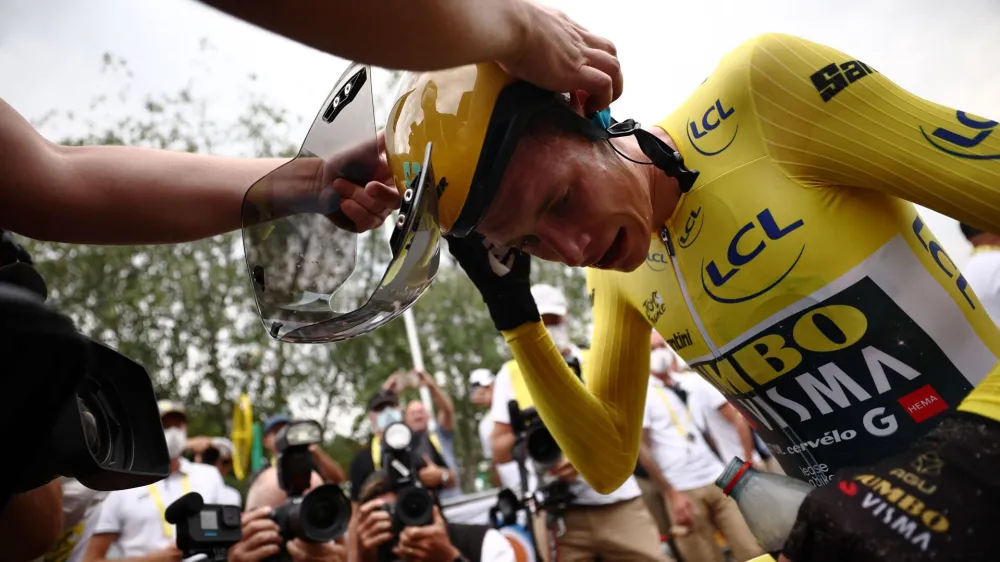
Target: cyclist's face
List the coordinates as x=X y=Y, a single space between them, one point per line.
x=570 y=200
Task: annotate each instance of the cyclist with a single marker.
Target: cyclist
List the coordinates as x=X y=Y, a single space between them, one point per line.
x=785 y=265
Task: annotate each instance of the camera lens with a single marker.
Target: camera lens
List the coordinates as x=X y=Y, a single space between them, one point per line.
x=95 y=428
x=542 y=447
x=414 y=507
x=322 y=515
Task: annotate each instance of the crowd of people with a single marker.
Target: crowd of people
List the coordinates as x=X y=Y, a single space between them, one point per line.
x=689 y=433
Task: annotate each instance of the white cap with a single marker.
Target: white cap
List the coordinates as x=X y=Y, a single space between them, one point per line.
x=481 y=377
x=170 y=407
x=225 y=446
x=549 y=300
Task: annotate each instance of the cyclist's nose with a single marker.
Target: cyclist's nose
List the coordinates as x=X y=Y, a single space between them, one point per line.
x=569 y=243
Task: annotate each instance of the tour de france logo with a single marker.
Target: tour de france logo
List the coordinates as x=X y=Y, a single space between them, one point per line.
x=655 y=307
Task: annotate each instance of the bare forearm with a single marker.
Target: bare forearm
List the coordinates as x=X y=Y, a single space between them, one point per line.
x=445 y=408
x=329 y=469
x=451 y=32
x=123 y=195
x=503 y=446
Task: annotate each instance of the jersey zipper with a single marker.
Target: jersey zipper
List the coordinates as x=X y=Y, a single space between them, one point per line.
x=665 y=237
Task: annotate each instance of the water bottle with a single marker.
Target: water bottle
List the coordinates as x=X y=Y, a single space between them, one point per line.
x=769 y=502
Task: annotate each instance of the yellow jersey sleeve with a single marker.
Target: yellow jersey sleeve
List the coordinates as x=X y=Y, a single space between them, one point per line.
x=832 y=121
x=598 y=426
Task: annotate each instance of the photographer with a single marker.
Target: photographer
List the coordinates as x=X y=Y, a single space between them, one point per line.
x=437 y=542
x=612 y=526
x=262 y=536
x=135 y=519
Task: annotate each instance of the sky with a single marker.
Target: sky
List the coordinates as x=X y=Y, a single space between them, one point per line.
x=51 y=54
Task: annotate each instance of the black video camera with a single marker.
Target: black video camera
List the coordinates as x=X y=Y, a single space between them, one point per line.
x=321 y=515
x=204 y=528
x=414 y=505
x=80 y=409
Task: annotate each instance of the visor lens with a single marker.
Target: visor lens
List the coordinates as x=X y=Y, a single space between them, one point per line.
x=314 y=278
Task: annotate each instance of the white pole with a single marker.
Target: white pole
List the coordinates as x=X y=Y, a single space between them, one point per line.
x=418 y=364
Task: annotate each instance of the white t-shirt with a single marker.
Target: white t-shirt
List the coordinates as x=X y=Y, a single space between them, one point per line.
x=982 y=271
x=230 y=496
x=138 y=521
x=503 y=393
x=486 y=435
x=705 y=401
x=678 y=447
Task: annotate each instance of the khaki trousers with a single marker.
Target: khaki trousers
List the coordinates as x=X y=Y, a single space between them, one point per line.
x=715 y=510
x=657 y=506
x=622 y=531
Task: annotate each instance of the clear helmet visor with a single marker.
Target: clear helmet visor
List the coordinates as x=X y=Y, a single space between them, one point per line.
x=314 y=278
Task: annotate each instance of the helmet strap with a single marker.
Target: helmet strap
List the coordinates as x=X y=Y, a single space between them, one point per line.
x=660 y=154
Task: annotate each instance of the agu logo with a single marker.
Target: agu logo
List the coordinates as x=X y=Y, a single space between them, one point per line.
x=710 y=120
x=972 y=133
x=764 y=229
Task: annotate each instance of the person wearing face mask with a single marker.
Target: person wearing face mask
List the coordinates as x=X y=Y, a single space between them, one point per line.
x=384 y=410
x=135 y=519
x=615 y=526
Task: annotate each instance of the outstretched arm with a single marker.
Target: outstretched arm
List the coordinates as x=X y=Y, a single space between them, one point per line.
x=116 y=194
x=598 y=426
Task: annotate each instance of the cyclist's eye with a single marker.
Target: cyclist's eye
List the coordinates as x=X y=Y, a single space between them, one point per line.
x=562 y=204
x=528 y=242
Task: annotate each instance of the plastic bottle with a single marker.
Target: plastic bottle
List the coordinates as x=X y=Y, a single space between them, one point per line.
x=769 y=502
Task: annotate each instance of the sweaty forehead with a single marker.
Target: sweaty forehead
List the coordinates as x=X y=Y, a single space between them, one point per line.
x=525 y=191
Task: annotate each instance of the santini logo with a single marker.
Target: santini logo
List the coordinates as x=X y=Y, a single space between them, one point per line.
x=680 y=340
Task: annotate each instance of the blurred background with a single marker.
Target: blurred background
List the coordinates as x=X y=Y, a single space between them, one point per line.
x=176 y=74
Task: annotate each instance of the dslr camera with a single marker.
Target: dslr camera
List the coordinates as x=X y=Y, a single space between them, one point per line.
x=207 y=530
x=414 y=506
x=92 y=411
x=535 y=446
x=321 y=515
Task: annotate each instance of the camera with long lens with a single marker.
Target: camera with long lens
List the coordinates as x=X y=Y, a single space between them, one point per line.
x=321 y=515
x=83 y=410
x=205 y=529
x=535 y=446
x=414 y=505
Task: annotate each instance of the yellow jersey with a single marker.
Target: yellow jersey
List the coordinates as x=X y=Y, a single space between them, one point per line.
x=795 y=275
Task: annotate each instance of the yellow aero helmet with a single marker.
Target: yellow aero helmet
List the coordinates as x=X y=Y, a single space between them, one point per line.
x=474 y=116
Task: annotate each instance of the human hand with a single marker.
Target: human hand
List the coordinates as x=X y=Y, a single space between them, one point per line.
x=427 y=544
x=374 y=527
x=366 y=206
x=503 y=277
x=681 y=508
x=564 y=471
x=302 y=551
x=424 y=378
x=560 y=55
x=393 y=382
x=935 y=501
x=261 y=537
x=431 y=475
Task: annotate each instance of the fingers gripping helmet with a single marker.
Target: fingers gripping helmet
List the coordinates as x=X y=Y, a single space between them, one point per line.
x=474 y=116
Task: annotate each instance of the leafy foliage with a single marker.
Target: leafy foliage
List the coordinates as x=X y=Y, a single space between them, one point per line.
x=186 y=312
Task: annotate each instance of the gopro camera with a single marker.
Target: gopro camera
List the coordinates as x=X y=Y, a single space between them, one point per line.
x=202 y=528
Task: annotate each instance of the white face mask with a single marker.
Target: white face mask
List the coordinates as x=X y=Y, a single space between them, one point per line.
x=661 y=361
x=176 y=440
x=560 y=335
x=387 y=417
